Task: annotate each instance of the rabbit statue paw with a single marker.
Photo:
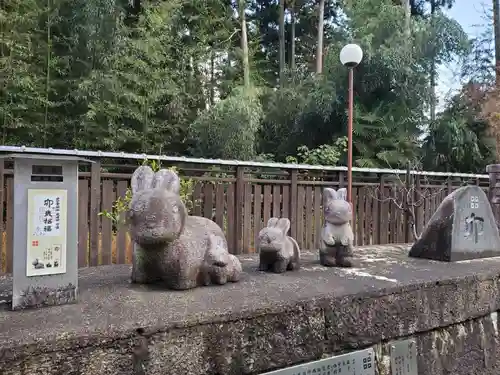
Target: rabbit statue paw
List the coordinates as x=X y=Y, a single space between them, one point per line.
x=336 y=235
x=171 y=247
x=277 y=251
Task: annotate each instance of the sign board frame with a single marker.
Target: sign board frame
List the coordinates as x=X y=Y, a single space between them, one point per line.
x=31 y=172
x=360 y=362
x=47 y=232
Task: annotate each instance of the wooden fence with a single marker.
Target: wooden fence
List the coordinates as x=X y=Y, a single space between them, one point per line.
x=241 y=199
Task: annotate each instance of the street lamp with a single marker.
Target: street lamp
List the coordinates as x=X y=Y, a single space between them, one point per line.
x=350 y=56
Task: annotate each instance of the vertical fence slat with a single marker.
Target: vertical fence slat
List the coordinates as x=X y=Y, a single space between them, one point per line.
x=267 y=203
x=300 y=217
x=293 y=202
x=368 y=219
x=257 y=210
x=354 y=199
x=238 y=202
x=95 y=205
x=276 y=201
x=10 y=224
x=309 y=220
x=108 y=197
x=121 y=236
x=219 y=205
x=286 y=201
x=231 y=232
x=317 y=216
x=83 y=223
x=247 y=219
x=197 y=198
x=361 y=216
x=384 y=221
x=208 y=197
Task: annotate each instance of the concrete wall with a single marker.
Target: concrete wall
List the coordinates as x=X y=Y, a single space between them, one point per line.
x=450 y=309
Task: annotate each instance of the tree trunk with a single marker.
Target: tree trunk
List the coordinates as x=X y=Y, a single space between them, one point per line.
x=319 y=45
x=433 y=70
x=244 y=43
x=493 y=123
x=292 y=38
x=407 y=7
x=212 y=77
x=282 y=42
x=496 y=27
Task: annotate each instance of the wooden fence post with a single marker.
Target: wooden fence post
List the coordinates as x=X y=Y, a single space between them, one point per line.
x=238 y=209
x=294 y=177
x=95 y=205
x=418 y=209
x=406 y=204
x=2 y=182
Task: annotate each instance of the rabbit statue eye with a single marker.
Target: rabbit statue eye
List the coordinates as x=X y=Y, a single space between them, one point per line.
x=175 y=209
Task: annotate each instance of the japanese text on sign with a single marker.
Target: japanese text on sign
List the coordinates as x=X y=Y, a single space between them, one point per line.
x=46 y=232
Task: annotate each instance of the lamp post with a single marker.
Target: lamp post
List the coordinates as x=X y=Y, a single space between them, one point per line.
x=350 y=56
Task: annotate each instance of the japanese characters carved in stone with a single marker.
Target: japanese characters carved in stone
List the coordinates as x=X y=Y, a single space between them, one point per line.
x=173 y=248
x=463 y=227
x=336 y=235
x=277 y=251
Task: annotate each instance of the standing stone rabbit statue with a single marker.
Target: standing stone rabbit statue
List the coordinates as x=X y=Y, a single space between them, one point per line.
x=172 y=247
x=336 y=235
x=277 y=251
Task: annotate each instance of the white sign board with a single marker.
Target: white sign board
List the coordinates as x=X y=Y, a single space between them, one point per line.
x=46 y=245
x=361 y=362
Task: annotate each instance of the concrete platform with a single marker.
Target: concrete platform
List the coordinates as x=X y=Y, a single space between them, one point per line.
x=264 y=322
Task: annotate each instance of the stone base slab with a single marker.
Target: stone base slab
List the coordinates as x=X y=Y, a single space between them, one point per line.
x=266 y=321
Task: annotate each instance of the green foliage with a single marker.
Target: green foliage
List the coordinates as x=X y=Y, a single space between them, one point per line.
x=229 y=129
x=167 y=75
x=121 y=205
x=322 y=155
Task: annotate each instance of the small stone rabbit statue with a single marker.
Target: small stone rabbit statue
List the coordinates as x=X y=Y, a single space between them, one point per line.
x=172 y=247
x=215 y=272
x=277 y=251
x=336 y=235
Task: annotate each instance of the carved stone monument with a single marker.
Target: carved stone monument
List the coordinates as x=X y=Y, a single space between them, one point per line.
x=336 y=235
x=171 y=247
x=277 y=251
x=463 y=227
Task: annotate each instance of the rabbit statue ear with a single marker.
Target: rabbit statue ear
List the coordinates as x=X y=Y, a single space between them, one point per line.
x=342 y=194
x=272 y=222
x=284 y=225
x=168 y=180
x=142 y=179
x=328 y=195
x=216 y=253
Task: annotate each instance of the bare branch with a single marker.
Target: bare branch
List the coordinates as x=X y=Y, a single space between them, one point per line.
x=406 y=195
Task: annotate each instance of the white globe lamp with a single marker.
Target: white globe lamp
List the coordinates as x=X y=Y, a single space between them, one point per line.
x=351 y=55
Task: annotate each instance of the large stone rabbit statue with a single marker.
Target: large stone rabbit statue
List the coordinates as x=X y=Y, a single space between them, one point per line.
x=336 y=235
x=173 y=248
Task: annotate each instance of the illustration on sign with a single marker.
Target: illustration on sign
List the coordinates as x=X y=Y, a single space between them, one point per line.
x=474 y=227
x=47 y=210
